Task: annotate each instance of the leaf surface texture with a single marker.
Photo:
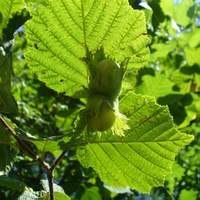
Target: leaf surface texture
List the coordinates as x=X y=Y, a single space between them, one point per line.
x=144 y=156
x=60 y=34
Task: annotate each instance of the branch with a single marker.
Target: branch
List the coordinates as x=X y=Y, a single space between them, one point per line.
x=26 y=149
x=55 y=163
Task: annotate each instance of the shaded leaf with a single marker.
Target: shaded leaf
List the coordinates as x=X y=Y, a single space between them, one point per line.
x=7 y=9
x=12 y=183
x=8 y=154
x=7 y=103
x=91 y=193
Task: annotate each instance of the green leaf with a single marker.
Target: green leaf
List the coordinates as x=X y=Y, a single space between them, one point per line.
x=60 y=35
x=61 y=196
x=7 y=103
x=7 y=9
x=192 y=109
x=177 y=173
x=12 y=183
x=161 y=50
x=91 y=193
x=36 y=1
x=58 y=196
x=188 y=194
x=144 y=156
x=57 y=188
x=192 y=38
x=157 y=86
x=58 y=191
x=8 y=154
x=192 y=56
x=181 y=12
x=51 y=144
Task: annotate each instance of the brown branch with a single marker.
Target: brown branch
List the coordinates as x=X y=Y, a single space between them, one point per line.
x=26 y=149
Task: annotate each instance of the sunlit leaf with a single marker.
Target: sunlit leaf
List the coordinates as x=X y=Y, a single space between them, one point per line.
x=192 y=56
x=157 y=86
x=188 y=194
x=72 y=28
x=144 y=156
x=182 y=12
x=7 y=9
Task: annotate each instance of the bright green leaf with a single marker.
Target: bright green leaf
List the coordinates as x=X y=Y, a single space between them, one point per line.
x=157 y=86
x=167 y=7
x=182 y=12
x=7 y=9
x=161 y=50
x=61 y=196
x=192 y=38
x=60 y=34
x=144 y=156
x=192 y=56
x=58 y=196
x=177 y=173
x=188 y=194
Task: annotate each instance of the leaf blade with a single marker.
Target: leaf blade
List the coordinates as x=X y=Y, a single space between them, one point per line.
x=139 y=160
x=73 y=27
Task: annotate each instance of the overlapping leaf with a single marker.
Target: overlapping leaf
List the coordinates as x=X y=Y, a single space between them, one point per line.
x=157 y=86
x=7 y=103
x=182 y=12
x=7 y=9
x=8 y=154
x=144 y=156
x=60 y=34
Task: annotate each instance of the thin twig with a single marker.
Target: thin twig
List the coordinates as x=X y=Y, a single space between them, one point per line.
x=55 y=163
x=25 y=148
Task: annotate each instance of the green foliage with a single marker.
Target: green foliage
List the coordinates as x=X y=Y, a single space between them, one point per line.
x=181 y=13
x=8 y=152
x=152 y=148
x=57 y=57
x=12 y=183
x=7 y=103
x=61 y=39
x=8 y=9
